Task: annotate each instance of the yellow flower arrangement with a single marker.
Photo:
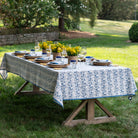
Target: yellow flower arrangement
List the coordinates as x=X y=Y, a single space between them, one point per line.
x=45 y=45
x=73 y=51
x=58 y=48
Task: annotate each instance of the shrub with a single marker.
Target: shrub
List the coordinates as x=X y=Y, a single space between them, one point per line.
x=133 y=32
x=26 y=13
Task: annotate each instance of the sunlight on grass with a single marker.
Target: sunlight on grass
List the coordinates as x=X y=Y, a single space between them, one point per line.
x=114 y=34
x=127 y=57
x=1 y=24
x=119 y=28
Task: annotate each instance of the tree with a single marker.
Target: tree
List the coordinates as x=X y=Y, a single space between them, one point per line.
x=26 y=13
x=70 y=12
x=117 y=9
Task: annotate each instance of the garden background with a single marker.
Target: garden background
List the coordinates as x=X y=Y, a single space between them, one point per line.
x=38 y=116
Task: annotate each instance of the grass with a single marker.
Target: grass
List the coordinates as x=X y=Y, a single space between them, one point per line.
x=108 y=27
x=1 y=24
x=38 y=116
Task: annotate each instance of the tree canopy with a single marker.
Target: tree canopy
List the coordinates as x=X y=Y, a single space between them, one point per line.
x=117 y=9
x=32 y=13
x=26 y=13
x=70 y=12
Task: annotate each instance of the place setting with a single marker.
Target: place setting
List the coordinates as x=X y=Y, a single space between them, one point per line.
x=59 y=63
x=43 y=60
x=55 y=55
x=101 y=62
x=59 y=56
x=20 y=53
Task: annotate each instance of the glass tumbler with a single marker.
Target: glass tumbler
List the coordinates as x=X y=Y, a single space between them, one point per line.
x=88 y=60
x=58 y=58
x=44 y=55
x=32 y=52
x=73 y=64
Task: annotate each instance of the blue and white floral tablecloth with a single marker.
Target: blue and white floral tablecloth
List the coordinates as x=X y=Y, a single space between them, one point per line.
x=87 y=82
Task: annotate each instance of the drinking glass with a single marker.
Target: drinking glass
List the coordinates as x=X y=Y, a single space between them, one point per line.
x=81 y=61
x=58 y=59
x=37 y=46
x=63 y=54
x=48 y=50
x=83 y=51
x=32 y=52
x=73 y=64
x=80 y=57
x=44 y=56
x=88 y=60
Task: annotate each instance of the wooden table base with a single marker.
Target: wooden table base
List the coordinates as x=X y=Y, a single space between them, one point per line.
x=90 y=119
x=36 y=90
x=90 y=109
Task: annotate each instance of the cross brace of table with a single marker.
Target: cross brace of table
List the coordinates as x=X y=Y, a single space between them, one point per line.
x=90 y=114
x=36 y=90
x=90 y=109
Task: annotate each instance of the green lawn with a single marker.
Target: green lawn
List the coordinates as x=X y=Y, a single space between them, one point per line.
x=38 y=116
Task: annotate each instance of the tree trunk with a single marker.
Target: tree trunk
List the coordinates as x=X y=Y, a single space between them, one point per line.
x=61 y=21
x=61 y=24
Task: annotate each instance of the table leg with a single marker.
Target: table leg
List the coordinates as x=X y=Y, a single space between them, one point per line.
x=90 y=119
x=36 y=90
x=20 y=89
x=90 y=109
x=69 y=120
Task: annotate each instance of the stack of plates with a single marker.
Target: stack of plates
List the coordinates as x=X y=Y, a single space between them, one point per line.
x=55 y=64
x=28 y=56
x=101 y=62
x=41 y=60
x=20 y=53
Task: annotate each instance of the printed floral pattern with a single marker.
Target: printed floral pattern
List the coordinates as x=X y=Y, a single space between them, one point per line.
x=87 y=83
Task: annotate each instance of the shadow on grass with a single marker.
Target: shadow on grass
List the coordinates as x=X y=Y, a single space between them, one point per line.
x=38 y=113
x=108 y=41
x=32 y=112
